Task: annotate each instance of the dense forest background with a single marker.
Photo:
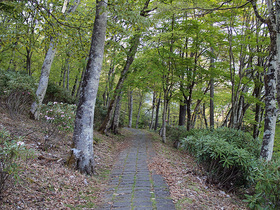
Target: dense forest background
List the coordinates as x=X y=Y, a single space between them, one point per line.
x=167 y=64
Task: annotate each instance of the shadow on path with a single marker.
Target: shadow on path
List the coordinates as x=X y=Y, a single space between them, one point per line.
x=132 y=185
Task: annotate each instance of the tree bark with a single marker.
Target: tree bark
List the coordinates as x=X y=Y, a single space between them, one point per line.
x=45 y=72
x=139 y=109
x=212 y=122
x=153 y=110
x=130 y=99
x=164 y=121
x=116 y=118
x=272 y=83
x=157 y=114
x=43 y=83
x=82 y=150
x=182 y=113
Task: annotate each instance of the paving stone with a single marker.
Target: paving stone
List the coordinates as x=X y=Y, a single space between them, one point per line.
x=144 y=194
x=131 y=176
x=118 y=204
x=165 y=206
x=162 y=193
x=143 y=204
x=124 y=191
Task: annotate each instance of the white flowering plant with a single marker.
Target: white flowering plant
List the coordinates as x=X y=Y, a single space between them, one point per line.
x=60 y=114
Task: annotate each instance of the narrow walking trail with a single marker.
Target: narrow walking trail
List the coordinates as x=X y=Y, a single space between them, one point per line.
x=133 y=186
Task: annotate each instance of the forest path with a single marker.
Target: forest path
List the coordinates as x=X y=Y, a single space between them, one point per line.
x=133 y=186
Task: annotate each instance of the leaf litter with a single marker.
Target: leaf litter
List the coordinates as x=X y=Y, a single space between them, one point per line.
x=187 y=181
x=45 y=182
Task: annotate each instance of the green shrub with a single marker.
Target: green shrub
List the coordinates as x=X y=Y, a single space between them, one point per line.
x=20 y=81
x=60 y=114
x=177 y=133
x=266 y=176
x=226 y=154
x=59 y=94
x=17 y=89
x=11 y=149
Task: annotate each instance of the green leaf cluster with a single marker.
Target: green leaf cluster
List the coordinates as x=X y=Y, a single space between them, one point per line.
x=11 y=149
x=266 y=195
x=12 y=80
x=226 y=154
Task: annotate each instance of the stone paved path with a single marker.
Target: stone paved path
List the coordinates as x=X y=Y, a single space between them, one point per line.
x=132 y=184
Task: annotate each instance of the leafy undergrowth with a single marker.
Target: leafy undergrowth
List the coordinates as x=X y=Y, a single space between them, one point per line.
x=45 y=182
x=187 y=183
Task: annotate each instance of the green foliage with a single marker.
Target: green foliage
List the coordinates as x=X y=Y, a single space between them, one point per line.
x=226 y=154
x=266 y=176
x=59 y=94
x=177 y=133
x=60 y=114
x=11 y=149
x=276 y=148
x=13 y=80
x=100 y=112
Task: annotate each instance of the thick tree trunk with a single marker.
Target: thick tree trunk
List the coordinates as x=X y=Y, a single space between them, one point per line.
x=182 y=114
x=272 y=84
x=189 y=115
x=130 y=102
x=45 y=72
x=270 y=112
x=82 y=151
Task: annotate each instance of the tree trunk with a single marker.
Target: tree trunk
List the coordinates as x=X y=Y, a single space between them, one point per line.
x=189 y=115
x=164 y=115
x=68 y=74
x=212 y=122
x=182 y=114
x=45 y=72
x=157 y=114
x=130 y=99
x=28 y=61
x=153 y=110
x=270 y=112
x=204 y=116
x=116 y=118
x=74 y=89
x=272 y=83
x=130 y=58
x=43 y=83
x=82 y=151
x=139 y=109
